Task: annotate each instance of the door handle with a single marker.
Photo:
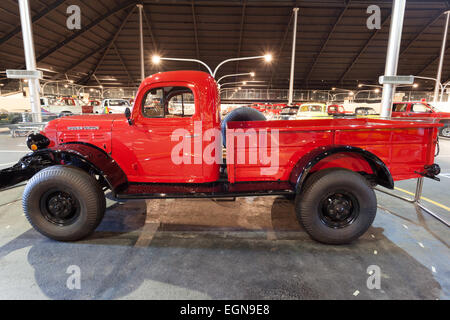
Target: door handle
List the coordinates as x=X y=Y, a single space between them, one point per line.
x=192 y=136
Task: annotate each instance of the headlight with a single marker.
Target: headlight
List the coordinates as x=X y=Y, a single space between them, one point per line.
x=36 y=141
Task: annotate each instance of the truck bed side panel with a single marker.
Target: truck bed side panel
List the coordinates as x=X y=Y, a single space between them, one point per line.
x=405 y=147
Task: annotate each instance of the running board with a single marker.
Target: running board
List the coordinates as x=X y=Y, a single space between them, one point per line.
x=208 y=190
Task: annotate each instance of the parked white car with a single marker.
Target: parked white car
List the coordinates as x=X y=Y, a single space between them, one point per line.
x=114 y=106
x=61 y=106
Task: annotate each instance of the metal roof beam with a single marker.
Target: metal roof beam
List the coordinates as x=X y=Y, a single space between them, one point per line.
x=283 y=41
x=324 y=45
x=123 y=64
x=194 y=18
x=241 y=32
x=433 y=61
x=374 y=34
x=110 y=44
x=150 y=30
x=85 y=29
x=18 y=29
x=429 y=24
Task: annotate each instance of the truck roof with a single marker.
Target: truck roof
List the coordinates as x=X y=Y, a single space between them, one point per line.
x=199 y=77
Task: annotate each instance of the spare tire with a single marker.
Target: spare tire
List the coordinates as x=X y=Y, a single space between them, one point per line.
x=241 y=114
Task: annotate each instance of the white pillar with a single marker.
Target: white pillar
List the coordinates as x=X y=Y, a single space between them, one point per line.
x=294 y=42
x=30 y=58
x=437 y=87
x=141 y=34
x=395 y=39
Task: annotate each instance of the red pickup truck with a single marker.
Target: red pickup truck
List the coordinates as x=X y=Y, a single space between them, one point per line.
x=422 y=110
x=170 y=146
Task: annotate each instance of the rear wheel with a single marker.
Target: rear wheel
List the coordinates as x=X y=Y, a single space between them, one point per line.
x=64 y=203
x=336 y=206
x=445 y=131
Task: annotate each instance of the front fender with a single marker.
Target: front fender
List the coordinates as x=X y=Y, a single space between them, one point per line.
x=85 y=156
x=304 y=166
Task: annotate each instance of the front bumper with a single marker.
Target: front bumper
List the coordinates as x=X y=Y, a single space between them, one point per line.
x=14 y=175
x=23 y=170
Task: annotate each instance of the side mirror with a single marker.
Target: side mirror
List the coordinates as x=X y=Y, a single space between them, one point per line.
x=128 y=115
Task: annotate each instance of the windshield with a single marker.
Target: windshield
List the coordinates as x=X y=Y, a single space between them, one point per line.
x=311 y=108
x=431 y=107
x=119 y=103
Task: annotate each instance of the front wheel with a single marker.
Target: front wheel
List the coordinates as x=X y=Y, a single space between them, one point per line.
x=64 y=203
x=336 y=206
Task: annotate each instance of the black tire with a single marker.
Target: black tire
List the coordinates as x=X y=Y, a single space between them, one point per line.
x=328 y=191
x=241 y=114
x=77 y=191
x=445 y=130
x=290 y=197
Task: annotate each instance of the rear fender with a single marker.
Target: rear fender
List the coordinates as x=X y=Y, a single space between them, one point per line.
x=306 y=164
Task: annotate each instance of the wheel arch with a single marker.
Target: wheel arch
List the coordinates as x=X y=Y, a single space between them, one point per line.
x=85 y=156
x=305 y=166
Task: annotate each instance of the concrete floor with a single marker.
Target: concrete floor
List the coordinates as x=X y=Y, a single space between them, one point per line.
x=249 y=249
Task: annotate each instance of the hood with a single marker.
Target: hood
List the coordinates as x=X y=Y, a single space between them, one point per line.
x=91 y=129
x=84 y=122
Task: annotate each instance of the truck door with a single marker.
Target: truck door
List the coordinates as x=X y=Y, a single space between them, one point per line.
x=400 y=109
x=167 y=119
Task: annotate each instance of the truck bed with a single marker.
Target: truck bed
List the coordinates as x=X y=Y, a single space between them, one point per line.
x=405 y=146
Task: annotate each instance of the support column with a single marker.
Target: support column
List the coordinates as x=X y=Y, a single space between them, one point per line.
x=294 y=42
x=395 y=39
x=437 y=87
x=30 y=58
x=141 y=35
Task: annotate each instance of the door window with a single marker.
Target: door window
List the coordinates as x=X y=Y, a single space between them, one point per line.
x=399 y=107
x=168 y=102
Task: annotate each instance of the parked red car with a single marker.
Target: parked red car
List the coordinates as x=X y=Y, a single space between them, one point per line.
x=338 y=110
x=329 y=165
x=89 y=108
x=422 y=110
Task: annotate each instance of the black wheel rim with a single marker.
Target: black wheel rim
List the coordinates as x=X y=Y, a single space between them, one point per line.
x=338 y=209
x=60 y=207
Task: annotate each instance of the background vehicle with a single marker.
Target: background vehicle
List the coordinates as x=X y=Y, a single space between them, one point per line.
x=114 y=105
x=311 y=110
x=156 y=151
x=338 y=110
x=91 y=106
x=61 y=106
x=422 y=110
x=366 y=112
x=288 y=113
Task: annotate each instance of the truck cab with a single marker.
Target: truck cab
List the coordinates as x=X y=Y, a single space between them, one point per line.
x=164 y=105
